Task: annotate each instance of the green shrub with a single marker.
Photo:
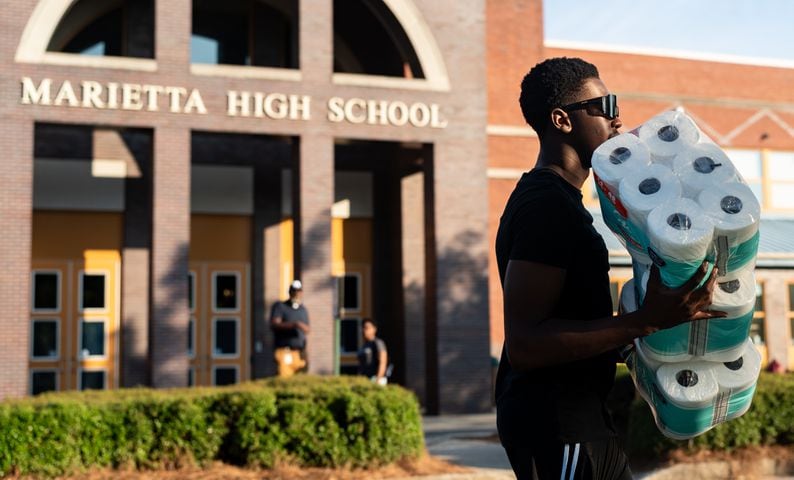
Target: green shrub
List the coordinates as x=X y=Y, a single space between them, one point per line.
x=309 y=421
x=770 y=421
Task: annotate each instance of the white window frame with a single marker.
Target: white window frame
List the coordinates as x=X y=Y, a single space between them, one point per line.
x=192 y=291
x=236 y=369
x=236 y=333
x=59 y=276
x=359 y=336
x=191 y=353
x=44 y=370
x=106 y=335
x=80 y=371
x=81 y=275
x=238 y=293
x=359 y=292
x=47 y=358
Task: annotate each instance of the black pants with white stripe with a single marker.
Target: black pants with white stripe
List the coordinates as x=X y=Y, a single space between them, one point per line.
x=601 y=460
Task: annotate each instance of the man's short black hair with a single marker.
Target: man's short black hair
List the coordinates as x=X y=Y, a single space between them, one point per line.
x=369 y=320
x=550 y=84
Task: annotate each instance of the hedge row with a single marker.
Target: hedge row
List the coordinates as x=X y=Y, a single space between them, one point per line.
x=307 y=421
x=770 y=421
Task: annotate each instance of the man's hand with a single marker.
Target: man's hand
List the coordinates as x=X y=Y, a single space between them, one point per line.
x=666 y=307
x=302 y=326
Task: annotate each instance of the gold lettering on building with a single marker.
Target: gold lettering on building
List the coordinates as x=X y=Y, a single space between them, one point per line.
x=274 y=105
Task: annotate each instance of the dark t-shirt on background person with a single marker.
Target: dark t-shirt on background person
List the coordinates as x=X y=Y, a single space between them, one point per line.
x=293 y=338
x=545 y=222
x=369 y=357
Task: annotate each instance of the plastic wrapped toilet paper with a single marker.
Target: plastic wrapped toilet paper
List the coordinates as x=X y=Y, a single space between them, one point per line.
x=703 y=167
x=668 y=134
x=717 y=340
x=643 y=190
x=617 y=157
x=680 y=236
x=737 y=380
x=688 y=399
x=680 y=395
x=736 y=213
x=628 y=298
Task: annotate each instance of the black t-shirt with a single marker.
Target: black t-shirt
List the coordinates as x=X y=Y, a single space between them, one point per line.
x=369 y=355
x=294 y=337
x=545 y=222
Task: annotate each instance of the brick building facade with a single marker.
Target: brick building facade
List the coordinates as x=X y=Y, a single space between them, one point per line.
x=169 y=167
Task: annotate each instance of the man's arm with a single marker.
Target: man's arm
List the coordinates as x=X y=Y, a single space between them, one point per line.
x=277 y=321
x=383 y=359
x=533 y=339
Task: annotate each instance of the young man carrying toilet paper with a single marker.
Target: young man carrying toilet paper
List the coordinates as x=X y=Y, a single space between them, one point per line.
x=561 y=339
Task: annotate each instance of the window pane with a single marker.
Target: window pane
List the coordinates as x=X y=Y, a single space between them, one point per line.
x=226 y=292
x=348 y=370
x=190 y=377
x=190 y=292
x=93 y=291
x=221 y=32
x=781 y=165
x=45 y=291
x=45 y=338
x=225 y=376
x=43 y=382
x=791 y=297
x=93 y=338
x=348 y=338
x=747 y=162
x=759 y=297
x=757 y=334
x=190 y=327
x=791 y=330
x=351 y=300
x=225 y=337
x=92 y=380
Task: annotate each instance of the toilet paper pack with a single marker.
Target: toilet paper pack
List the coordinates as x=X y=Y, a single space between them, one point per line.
x=717 y=222
x=689 y=398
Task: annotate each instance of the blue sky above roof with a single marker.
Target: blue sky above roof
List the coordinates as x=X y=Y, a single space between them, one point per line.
x=747 y=28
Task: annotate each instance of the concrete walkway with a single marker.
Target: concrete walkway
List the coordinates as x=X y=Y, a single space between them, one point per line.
x=470 y=441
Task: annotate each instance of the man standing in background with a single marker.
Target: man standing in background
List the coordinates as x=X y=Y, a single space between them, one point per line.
x=289 y=321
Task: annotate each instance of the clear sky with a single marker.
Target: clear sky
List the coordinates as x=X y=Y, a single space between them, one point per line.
x=761 y=29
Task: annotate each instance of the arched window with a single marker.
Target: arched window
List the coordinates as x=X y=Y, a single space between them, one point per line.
x=260 y=33
x=368 y=39
x=121 y=28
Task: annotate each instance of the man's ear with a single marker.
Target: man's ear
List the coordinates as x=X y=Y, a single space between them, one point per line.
x=560 y=120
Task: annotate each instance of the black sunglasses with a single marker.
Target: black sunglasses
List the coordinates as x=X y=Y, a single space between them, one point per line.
x=608 y=105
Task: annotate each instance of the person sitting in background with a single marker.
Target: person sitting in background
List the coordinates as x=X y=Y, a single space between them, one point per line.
x=373 y=359
x=289 y=321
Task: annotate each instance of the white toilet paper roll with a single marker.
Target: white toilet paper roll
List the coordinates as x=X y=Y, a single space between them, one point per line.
x=703 y=167
x=643 y=190
x=735 y=210
x=668 y=134
x=680 y=229
x=628 y=297
x=617 y=157
x=735 y=297
x=741 y=373
x=688 y=384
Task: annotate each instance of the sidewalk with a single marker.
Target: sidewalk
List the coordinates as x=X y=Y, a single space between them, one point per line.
x=470 y=441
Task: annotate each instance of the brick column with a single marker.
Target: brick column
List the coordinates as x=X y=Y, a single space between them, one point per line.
x=461 y=277
x=413 y=280
x=170 y=248
x=316 y=186
x=316 y=198
x=16 y=207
